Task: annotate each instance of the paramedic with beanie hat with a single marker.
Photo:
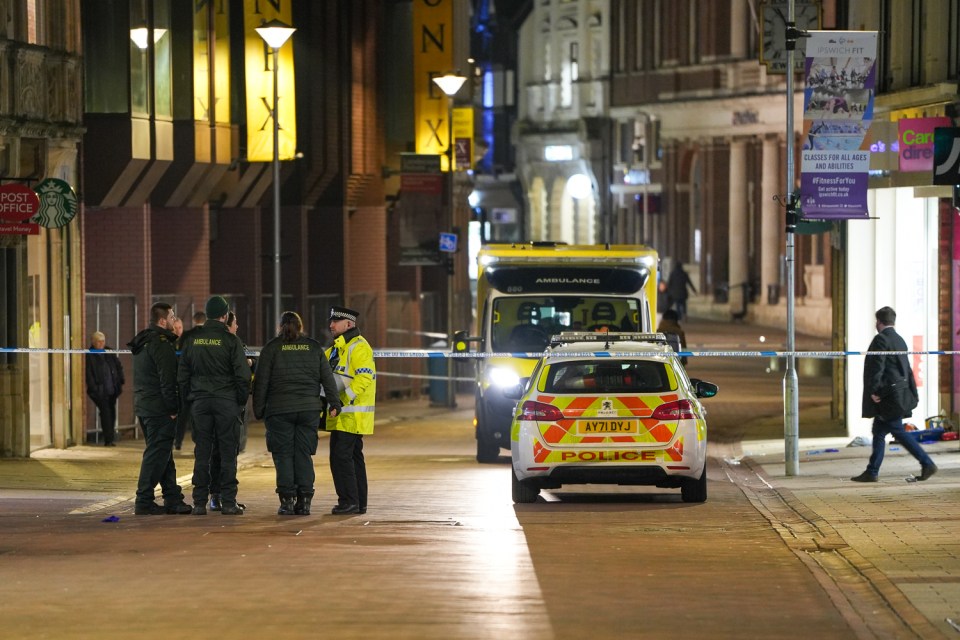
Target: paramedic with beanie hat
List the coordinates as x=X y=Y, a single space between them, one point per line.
x=214 y=377
x=352 y=360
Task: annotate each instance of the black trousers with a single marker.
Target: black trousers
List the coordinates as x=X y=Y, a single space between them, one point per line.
x=184 y=421
x=108 y=417
x=292 y=440
x=216 y=420
x=214 y=457
x=157 y=466
x=348 y=468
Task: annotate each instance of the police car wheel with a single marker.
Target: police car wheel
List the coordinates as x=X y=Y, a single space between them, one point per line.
x=523 y=492
x=695 y=489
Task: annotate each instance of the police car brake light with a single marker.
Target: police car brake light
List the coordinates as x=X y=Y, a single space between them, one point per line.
x=677 y=410
x=533 y=410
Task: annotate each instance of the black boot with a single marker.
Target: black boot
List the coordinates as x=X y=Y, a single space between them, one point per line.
x=215 y=502
x=302 y=508
x=286 y=505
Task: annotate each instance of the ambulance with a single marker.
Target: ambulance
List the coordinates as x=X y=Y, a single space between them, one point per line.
x=527 y=293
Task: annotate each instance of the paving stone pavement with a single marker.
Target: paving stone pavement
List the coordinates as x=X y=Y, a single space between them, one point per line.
x=893 y=545
x=896 y=542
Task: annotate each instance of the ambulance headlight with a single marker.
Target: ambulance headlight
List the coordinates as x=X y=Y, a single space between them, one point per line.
x=502 y=377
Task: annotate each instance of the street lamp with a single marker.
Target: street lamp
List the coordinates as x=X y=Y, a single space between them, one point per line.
x=579 y=187
x=450 y=84
x=276 y=34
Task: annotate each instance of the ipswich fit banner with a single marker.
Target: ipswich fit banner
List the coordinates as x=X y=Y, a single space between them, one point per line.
x=837 y=110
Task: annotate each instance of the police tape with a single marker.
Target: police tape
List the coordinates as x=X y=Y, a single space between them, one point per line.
x=423 y=377
x=474 y=355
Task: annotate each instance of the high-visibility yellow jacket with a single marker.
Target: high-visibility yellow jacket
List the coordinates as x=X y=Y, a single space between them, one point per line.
x=352 y=360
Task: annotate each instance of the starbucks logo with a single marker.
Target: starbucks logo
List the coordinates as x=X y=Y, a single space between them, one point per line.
x=58 y=204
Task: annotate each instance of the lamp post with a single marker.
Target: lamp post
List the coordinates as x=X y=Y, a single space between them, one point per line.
x=450 y=84
x=276 y=34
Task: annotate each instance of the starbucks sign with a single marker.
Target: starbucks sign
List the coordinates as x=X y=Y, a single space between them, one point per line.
x=58 y=204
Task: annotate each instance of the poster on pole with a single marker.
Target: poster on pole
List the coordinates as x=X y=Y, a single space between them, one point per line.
x=837 y=110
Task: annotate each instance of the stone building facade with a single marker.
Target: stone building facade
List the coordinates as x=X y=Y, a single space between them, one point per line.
x=40 y=294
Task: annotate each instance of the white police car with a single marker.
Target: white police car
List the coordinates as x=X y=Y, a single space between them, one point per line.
x=629 y=415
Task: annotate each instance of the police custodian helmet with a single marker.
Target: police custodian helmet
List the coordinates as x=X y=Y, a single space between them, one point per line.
x=343 y=313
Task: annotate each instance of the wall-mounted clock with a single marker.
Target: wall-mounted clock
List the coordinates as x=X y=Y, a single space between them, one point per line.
x=773 y=46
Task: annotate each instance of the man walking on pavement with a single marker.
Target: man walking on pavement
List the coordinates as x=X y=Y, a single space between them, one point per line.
x=155 y=403
x=879 y=373
x=215 y=378
x=352 y=360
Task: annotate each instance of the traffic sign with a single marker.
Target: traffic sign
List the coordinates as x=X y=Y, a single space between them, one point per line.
x=18 y=202
x=448 y=242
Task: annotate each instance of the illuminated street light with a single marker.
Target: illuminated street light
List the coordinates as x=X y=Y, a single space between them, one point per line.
x=141 y=36
x=450 y=84
x=276 y=34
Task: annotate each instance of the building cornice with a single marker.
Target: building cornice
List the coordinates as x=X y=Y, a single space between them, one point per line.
x=915 y=97
x=12 y=127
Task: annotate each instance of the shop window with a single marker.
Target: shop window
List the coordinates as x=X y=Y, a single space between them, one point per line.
x=31 y=157
x=105 y=52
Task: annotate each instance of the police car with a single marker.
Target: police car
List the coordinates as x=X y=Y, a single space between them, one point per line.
x=628 y=415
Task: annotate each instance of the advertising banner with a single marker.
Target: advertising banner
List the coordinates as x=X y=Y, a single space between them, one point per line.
x=432 y=57
x=259 y=76
x=837 y=110
x=463 y=138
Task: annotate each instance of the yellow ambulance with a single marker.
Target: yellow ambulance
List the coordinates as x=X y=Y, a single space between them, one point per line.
x=527 y=293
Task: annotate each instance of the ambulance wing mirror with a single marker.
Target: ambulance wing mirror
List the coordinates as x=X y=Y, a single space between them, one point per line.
x=704 y=389
x=462 y=341
x=516 y=391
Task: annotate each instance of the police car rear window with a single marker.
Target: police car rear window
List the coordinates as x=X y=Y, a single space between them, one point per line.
x=638 y=376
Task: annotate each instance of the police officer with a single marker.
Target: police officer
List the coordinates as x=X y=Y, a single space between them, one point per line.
x=352 y=360
x=293 y=378
x=155 y=403
x=215 y=378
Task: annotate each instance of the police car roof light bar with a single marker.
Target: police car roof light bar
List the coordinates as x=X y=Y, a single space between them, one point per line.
x=621 y=336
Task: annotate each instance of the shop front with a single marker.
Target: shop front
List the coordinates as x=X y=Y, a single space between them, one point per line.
x=905 y=256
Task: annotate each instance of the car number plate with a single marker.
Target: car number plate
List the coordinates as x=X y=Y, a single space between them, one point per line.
x=590 y=427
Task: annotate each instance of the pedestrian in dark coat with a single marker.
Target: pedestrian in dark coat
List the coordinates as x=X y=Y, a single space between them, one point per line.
x=294 y=380
x=156 y=403
x=677 y=286
x=104 y=376
x=879 y=372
